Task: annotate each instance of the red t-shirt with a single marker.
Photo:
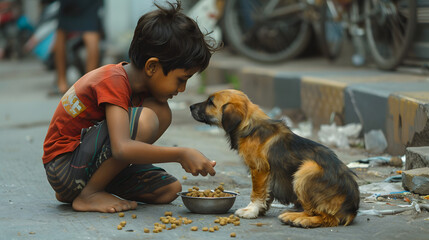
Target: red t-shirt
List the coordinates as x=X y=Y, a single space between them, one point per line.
x=82 y=106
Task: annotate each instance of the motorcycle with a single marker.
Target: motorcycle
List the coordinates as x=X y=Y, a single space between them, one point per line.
x=15 y=29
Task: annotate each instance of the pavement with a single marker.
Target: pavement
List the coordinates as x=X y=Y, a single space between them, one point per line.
x=29 y=209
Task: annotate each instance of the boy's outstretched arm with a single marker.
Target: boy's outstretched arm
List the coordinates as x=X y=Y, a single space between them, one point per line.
x=137 y=152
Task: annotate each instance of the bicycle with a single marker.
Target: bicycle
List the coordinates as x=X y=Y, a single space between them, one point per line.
x=389 y=27
x=278 y=30
x=340 y=20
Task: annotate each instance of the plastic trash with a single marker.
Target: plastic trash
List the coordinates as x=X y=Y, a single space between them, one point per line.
x=274 y=113
x=305 y=129
x=376 y=161
x=339 y=135
x=375 y=141
x=380 y=213
x=396 y=178
x=287 y=120
x=414 y=205
x=382 y=188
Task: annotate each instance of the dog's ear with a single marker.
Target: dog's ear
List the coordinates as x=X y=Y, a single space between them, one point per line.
x=232 y=115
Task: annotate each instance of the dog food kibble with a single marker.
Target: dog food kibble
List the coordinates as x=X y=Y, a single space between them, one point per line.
x=133 y=216
x=123 y=223
x=228 y=220
x=121 y=214
x=169 y=219
x=218 y=192
x=177 y=222
x=233 y=234
x=185 y=177
x=165 y=221
x=119 y=227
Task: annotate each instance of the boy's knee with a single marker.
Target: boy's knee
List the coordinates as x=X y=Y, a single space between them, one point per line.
x=162 y=112
x=148 y=127
x=163 y=195
x=169 y=193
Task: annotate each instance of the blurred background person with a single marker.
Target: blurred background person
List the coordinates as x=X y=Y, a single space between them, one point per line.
x=77 y=16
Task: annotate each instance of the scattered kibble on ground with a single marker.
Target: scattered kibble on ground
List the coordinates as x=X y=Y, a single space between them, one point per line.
x=179 y=221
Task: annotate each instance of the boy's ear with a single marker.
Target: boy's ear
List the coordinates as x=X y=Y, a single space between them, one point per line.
x=151 y=66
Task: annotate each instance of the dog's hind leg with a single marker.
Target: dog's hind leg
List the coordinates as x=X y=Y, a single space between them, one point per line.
x=260 y=197
x=300 y=219
x=305 y=220
x=321 y=202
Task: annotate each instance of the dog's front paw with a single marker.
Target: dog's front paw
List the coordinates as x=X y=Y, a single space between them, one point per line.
x=251 y=211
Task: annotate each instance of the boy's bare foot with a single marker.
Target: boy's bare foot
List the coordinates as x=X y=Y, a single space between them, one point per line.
x=102 y=202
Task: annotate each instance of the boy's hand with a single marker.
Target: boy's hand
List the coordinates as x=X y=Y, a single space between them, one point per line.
x=196 y=163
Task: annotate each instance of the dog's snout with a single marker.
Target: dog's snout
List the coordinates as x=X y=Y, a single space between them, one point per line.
x=192 y=107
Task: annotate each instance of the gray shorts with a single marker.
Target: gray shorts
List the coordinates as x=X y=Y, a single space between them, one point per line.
x=69 y=172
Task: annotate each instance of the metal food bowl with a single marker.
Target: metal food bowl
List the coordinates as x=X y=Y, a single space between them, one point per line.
x=208 y=205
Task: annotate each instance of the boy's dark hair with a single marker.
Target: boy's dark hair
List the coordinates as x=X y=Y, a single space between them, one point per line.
x=172 y=37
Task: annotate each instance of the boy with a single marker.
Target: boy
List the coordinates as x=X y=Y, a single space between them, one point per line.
x=99 y=142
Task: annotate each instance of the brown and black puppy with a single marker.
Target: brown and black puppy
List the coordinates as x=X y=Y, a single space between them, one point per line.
x=284 y=166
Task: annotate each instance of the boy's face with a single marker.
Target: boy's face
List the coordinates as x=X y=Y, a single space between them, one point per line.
x=164 y=87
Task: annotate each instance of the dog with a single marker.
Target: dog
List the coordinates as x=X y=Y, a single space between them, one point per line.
x=284 y=166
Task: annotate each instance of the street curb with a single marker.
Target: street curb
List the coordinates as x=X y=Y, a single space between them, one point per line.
x=395 y=102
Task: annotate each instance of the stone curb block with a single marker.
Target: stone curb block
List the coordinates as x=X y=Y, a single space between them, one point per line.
x=417 y=157
x=416 y=180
